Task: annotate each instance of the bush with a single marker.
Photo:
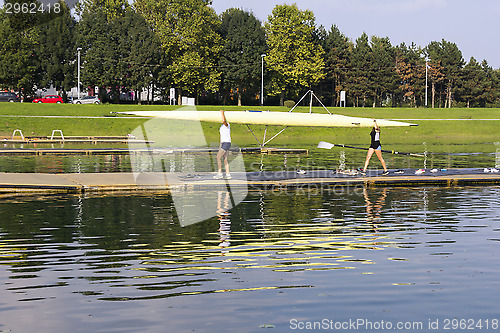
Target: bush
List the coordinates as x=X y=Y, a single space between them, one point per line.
x=289 y=104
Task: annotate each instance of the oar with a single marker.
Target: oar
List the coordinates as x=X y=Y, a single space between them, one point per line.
x=328 y=145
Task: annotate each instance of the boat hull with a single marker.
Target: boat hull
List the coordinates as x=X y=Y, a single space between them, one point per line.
x=272 y=118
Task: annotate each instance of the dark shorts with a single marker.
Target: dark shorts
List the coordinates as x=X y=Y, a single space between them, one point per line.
x=376 y=145
x=225 y=146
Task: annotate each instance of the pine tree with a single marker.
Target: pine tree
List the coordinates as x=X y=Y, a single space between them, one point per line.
x=472 y=82
x=57 y=48
x=359 y=77
x=435 y=72
x=384 y=76
x=450 y=58
x=489 y=83
x=244 y=42
x=338 y=50
x=410 y=68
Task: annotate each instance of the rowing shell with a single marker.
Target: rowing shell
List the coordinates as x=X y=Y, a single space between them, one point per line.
x=271 y=118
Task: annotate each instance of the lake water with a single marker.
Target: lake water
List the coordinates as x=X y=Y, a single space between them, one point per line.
x=360 y=259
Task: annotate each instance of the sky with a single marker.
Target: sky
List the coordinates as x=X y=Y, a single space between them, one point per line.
x=473 y=25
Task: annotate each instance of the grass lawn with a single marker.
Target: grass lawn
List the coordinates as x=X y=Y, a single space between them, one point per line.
x=466 y=126
x=106 y=109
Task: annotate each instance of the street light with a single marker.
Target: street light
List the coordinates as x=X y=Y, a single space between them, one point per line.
x=426 y=60
x=262 y=82
x=78 y=83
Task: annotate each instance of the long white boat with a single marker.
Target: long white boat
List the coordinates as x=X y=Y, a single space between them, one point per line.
x=271 y=118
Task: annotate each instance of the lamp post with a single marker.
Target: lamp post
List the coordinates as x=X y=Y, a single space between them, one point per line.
x=426 y=60
x=78 y=83
x=262 y=82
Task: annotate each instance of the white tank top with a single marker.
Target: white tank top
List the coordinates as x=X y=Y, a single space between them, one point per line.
x=225 y=133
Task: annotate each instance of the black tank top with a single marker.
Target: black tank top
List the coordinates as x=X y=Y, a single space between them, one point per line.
x=375 y=139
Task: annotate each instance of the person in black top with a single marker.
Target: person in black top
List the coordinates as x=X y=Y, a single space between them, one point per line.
x=376 y=147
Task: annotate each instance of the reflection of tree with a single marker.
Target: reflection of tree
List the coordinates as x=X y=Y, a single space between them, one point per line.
x=141 y=219
x=114 y=222
x=294 y=205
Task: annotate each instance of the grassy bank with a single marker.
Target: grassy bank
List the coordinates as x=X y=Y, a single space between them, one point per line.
x=106 y=109
x=466 y=125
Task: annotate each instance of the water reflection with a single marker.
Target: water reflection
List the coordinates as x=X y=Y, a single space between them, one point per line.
x=223 y=205
x=292 y=247
x=374 y=207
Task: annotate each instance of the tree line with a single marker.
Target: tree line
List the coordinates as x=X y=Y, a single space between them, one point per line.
x=154 y=45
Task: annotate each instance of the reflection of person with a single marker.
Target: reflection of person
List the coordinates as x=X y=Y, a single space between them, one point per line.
x=375 y=147
x=225 y=144
x=223 y=204
x=373 y=209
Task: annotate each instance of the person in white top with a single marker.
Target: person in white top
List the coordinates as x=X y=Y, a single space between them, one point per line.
x=225 y=144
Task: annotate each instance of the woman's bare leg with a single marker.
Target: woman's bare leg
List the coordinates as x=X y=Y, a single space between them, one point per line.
x=220 y=154
x=379 y=155
x=368 y=156
x=226 y=163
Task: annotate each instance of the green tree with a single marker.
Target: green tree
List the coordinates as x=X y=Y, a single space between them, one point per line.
x=361 y=70
x=142 y=53
x=495 y=84
x=111 y=8
x=450 y=58
x=244 y=43
x=338 y=50
x=19 y=61
x=473 y=82
x=187 y=31
x=101 y=64
x=57 y=49
x=383 y=78
x=435 y=77
x=410 y=67
x=294 y=54
x=490 y=90
x=118 y=54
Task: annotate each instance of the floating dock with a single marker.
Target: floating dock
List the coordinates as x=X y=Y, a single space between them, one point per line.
x=166 y=182
x=135 y=151
x=73 y=139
